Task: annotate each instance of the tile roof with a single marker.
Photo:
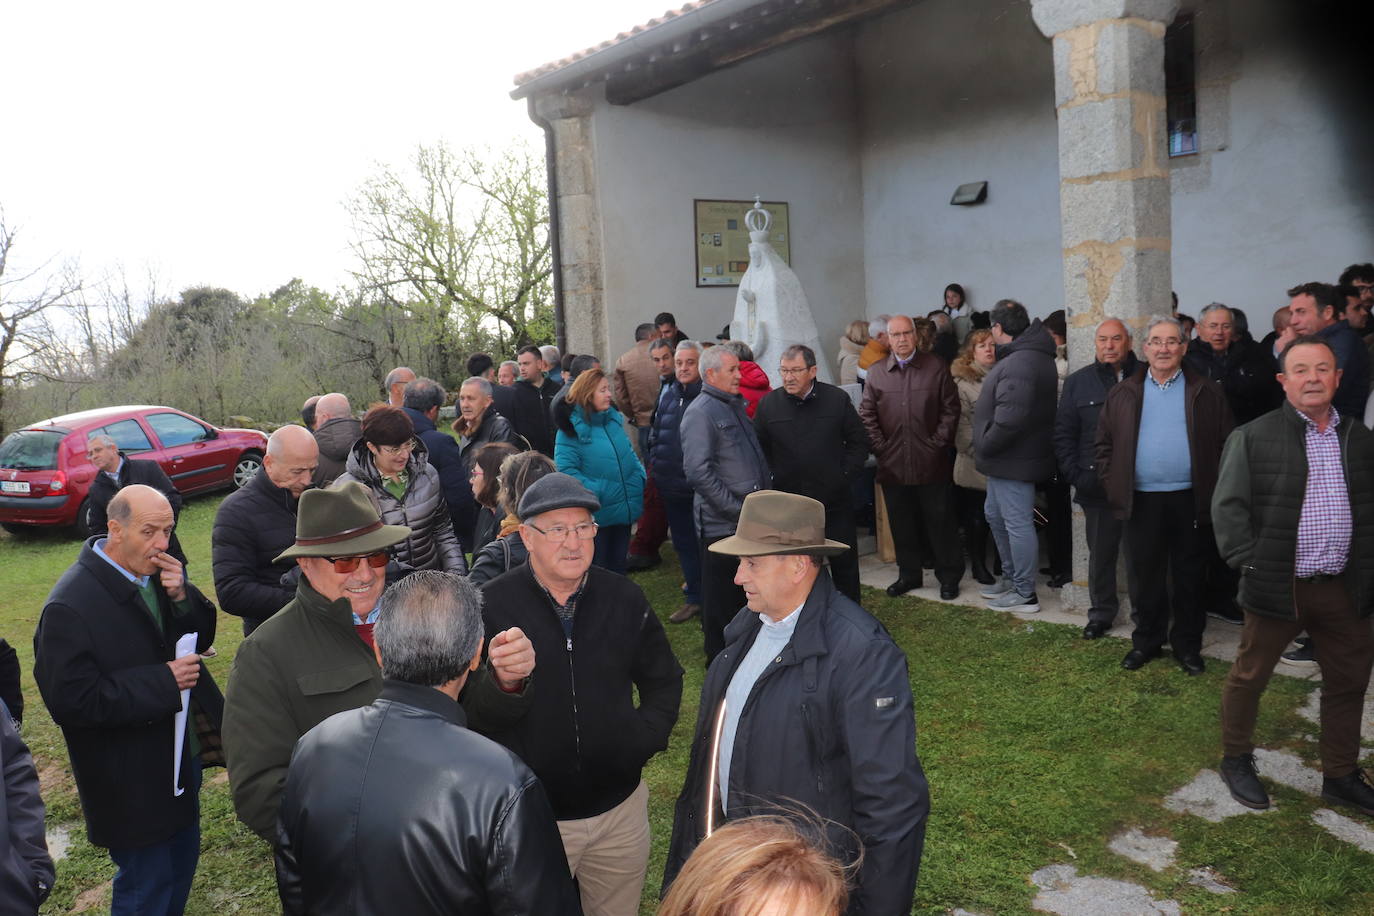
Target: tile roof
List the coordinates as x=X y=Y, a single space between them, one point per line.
x=555 y=65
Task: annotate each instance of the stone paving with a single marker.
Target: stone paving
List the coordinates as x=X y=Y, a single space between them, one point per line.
x=1061 y=889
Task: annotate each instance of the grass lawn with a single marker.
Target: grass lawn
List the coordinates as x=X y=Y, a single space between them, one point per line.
x=1038 y=748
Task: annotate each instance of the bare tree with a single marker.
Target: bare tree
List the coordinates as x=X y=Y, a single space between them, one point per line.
x=468 y=236
x=27 y=336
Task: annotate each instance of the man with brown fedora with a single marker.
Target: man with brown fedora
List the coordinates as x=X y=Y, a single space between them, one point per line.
x=809 y=703
x=315 y=658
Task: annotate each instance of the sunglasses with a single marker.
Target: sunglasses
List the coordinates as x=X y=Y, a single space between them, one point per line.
x=348 y=564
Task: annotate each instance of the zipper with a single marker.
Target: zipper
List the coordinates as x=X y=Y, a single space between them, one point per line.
x=572 y=685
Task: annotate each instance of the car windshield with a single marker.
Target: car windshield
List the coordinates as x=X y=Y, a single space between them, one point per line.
x=31 y=449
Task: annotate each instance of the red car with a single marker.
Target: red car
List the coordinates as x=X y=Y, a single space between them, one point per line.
x=45 y=475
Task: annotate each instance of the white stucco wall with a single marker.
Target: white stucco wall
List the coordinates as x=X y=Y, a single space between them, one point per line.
x=782 y=126
x=953 y=92
x=867 y=133
x=1273 y=199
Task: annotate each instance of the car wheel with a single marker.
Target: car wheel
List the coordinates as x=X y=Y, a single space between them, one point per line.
x=250 y=463
x=18 y=531
x=82 y=525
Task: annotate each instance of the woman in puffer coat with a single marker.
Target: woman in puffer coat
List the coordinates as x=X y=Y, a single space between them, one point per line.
x=393 y=464
x=592 y=446
x=970 y=487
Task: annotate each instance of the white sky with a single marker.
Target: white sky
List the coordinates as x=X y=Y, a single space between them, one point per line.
x=217 y=144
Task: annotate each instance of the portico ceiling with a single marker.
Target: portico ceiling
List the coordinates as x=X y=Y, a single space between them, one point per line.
x=685 y=44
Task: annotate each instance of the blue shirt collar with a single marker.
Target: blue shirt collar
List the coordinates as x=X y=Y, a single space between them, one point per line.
x=99 y=548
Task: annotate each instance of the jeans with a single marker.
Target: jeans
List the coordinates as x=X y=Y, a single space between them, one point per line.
x=1010 y=509
x=683 y=528
x=156 y=880
x=612 y=548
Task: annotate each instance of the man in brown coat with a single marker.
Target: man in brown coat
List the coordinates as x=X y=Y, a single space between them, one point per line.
x=635 y=383
x=1159 y=441
x=910 y=408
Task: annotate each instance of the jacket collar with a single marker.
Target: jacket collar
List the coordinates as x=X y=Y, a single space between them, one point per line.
x=719 y=395
x=427 y=698
x=277 y=494
x=422 y=423
x=1128 y=367
x=338 y=611
x=808 y=639
x=111 y=579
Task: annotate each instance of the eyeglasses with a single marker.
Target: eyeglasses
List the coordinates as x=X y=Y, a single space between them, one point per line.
x=559 y=533
x=1164 y=342
x=348 y=564
x=801 y=371
x=404 y=448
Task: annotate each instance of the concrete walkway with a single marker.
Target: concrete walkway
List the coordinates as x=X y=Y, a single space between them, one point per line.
x=1219 y=641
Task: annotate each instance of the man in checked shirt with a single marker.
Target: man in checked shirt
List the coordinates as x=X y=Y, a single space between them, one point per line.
x=1294 y=512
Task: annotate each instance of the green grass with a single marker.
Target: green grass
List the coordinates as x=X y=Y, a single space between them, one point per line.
x=1037 y=746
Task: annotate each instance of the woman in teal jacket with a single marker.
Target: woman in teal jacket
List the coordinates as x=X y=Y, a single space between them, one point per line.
x=592 y=446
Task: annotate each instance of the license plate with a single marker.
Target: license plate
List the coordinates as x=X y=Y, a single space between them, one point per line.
x=14 y=486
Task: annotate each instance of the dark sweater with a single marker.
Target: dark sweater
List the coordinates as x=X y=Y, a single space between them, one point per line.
x=583 y=735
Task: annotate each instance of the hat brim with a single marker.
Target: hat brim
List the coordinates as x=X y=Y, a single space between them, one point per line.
x=737 y=546
x=372 y=542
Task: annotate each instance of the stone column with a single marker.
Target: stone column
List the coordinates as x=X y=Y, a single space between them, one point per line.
x=579 y=221
x=1113 y=177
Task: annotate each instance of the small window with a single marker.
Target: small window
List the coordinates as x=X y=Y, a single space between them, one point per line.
x=174 y=429
x=1180 y=87
x=128 y=436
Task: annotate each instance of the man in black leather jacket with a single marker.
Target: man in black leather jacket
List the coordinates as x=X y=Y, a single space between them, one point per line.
x=397 y=807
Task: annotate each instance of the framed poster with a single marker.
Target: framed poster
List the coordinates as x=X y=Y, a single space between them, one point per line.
x=722 y=239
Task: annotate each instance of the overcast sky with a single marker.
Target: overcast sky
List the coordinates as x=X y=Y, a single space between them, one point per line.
x=217 y=144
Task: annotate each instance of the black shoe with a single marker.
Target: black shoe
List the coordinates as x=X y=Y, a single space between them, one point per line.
x=1243 y=782
x=1301 y=654
x=1192 y=663
x=1231 y=613
x=1136 y=659
x=1095 y=629
x=1059 y=580
x=902 y=586
x=1353 y=790
x=949 y=592
x=639 y=562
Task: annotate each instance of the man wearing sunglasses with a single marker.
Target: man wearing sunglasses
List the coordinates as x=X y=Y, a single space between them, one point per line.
x=316 y=657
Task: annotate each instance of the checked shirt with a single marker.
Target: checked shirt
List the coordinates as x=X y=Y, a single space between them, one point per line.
x=1324 y=528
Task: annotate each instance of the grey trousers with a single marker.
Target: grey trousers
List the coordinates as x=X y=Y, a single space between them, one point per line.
x=1104 y=546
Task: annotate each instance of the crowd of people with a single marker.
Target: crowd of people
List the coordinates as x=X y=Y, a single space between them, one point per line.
x=449 y=681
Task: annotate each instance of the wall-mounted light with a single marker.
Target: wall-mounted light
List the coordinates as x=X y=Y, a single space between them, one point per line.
x=966 y=195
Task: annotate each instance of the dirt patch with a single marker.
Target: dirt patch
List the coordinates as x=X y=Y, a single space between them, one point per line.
x=89 y=900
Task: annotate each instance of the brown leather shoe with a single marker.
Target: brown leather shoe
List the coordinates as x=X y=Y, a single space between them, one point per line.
x=684 y=613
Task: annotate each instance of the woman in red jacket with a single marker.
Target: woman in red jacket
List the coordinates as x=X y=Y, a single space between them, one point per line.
x=753 y=381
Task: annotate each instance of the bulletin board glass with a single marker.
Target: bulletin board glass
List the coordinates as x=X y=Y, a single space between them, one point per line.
x=722 y=239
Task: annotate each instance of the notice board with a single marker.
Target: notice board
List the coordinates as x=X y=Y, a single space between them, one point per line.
x=722 y=239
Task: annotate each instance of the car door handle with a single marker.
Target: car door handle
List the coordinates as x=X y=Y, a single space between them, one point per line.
x=178 y=460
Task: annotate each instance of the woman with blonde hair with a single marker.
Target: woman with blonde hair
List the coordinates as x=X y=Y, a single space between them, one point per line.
x=758 y=866
x=852 y=343
x=592 y=447
x=970 y=487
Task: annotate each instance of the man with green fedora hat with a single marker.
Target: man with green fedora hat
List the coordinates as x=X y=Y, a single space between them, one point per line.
x=314 y=657
x=809 y=702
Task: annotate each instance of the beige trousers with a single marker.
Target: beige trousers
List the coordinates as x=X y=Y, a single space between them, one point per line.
x=608 y=855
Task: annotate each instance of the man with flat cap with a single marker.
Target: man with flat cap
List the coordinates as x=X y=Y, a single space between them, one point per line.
x=809 y=703
x=598 y=642
x=314 y=657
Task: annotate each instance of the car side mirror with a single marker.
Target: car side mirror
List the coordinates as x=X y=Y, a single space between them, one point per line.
x=211 y=433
